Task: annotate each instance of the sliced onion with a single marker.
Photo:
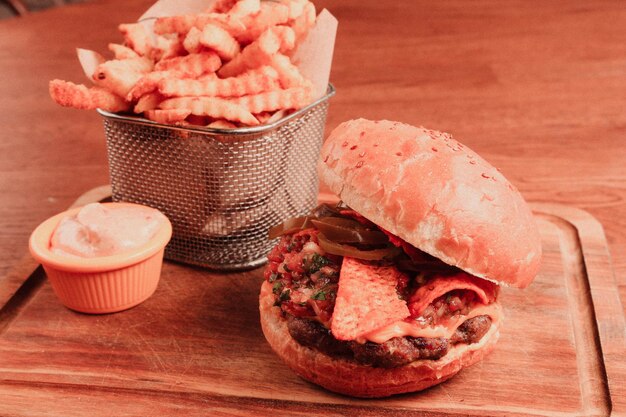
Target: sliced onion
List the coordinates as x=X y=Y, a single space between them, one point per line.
x=343 y=230
x=335 y=248
x=290 y=226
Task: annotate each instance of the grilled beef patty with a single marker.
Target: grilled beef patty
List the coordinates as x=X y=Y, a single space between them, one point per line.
x=395 y=352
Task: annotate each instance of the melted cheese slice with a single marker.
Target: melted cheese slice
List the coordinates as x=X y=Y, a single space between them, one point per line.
x=414 y=329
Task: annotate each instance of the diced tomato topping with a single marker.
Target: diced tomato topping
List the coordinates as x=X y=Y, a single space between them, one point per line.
x=304 y=278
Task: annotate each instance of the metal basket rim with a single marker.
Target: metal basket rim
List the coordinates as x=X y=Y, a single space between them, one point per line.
x=241 y=131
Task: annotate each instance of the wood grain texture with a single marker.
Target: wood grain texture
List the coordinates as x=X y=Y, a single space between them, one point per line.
x=535 y=87
x=196 y=345
x=598 y=304
x=11 y=281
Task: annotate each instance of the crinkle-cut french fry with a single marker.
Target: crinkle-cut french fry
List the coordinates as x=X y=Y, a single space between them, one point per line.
x=167 y=46
x=219 y=40
x=270 y=15
x=122 y=52
x=287 y=37
x=222 y=124
x=148 y=101
x=232 y=24
x=254 y=38
x=192 y=65
x=79 y=96
x=213 y=37
x=277 y=38
x=167 y=116
x=277 y=115
x=289 y=74
x=211 y=106
x=292 y=98
x=136 y=36
x=245 y=8
x=192 y=40
x=207 y=76
x=296 y=7
x=149 y=83
x=303 y=23
x=221 y=6
x=183 y=23
x=253 y=56
x=263 y=117
x=120 y=75
x=251 y=82
x=258 y=53
x=175 y=24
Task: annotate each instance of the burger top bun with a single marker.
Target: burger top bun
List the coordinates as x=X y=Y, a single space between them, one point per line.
x=435 y=193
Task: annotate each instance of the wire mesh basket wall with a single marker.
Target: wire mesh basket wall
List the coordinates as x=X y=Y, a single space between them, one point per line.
x=221 y=189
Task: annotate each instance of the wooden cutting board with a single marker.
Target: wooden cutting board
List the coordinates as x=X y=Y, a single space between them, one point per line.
x=196 y=347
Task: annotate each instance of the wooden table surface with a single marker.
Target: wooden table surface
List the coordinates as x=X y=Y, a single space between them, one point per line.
x=537 y=88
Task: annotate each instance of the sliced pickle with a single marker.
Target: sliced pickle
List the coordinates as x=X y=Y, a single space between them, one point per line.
x=335 y=248
x=290 y=226
x=342 y=230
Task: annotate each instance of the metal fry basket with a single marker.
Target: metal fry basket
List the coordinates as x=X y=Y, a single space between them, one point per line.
x=221 y=189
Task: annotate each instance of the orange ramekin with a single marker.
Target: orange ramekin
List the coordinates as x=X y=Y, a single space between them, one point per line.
x=104 y=284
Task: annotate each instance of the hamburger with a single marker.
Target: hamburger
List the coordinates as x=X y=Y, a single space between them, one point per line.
x=395 y=288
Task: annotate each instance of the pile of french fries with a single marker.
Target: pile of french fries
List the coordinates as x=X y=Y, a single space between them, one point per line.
x=227 y=67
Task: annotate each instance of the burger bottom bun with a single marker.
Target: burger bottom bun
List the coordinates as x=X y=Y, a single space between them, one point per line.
x=349 y=378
